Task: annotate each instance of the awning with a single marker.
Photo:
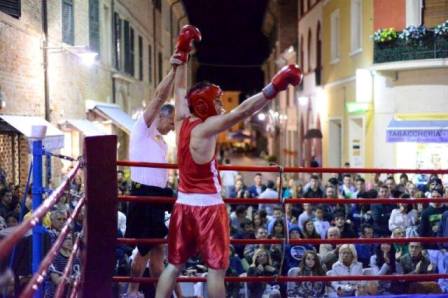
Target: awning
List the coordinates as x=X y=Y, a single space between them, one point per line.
x=114 y=113
x=54 y=138
x=86 y=127
x=418 y=131
x=313 y=133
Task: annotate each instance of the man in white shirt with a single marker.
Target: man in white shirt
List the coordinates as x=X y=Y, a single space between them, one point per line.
x=147 y=145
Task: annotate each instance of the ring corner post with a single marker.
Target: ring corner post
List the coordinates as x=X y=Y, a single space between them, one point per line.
x=100 y=223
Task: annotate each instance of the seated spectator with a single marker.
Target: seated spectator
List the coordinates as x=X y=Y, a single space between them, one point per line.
x=235 y=269
x=365 y=251
x=402 y=185
x=277 y=214
x=329 y=252
x=383 y=262
x=309 y=266
x=295 y=252
x=56 y=269
x=400 y=248
x=292 y=215
x=238 y=217
x=415 y=262
x=58 y=219
x=344 y=227
x=250 y=249
x=404 y=217
x=12 y=219
x=246 y=232
x=268 y=193
x=347 y=264
x=260 y=220
x=320 y=224
x=307 y=214
x=309 y=232
x=367 y=288
x=261 y=266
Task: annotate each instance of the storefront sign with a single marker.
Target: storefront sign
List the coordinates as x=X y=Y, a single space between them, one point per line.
x=417 y=135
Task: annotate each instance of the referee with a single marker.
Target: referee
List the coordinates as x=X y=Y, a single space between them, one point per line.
x=146 y=144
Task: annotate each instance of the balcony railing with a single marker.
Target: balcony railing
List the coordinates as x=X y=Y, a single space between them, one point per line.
x=430 y=47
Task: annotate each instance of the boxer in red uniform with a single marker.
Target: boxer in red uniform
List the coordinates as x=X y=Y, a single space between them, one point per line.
x=199 y=222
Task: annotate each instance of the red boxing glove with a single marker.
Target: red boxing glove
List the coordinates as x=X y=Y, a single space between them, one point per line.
x=290 y=74
x=184 y=40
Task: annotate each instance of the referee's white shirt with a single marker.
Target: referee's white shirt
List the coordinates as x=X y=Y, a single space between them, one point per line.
x=147 y=145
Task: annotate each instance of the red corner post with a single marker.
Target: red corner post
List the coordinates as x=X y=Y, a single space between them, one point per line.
x=100 y=153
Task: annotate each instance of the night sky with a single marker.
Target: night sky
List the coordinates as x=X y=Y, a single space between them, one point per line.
x=232 y=37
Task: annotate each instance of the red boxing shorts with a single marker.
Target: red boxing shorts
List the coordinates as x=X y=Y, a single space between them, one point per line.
x=199 y=229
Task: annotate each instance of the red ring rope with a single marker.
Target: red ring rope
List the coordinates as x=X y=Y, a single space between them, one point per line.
x=39 y=276
x=9 y=241
x=275 y=169
x=164 y=200
x=322 y=278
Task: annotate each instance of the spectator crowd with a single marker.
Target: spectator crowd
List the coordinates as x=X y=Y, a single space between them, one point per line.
x=331 y=220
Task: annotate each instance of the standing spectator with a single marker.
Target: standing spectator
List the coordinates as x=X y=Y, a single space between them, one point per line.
x=431 y=216
x=239 y=190
x=309 y=266
x=258 y=187
x=5 y=202
x=365 y=251
x=346 y=265
x=293 y=190
x=123 y=184
x=314 y=190
x=228 y=179
x=58 y=218
x=381 y=213
x=347 y=189
x=268 y=193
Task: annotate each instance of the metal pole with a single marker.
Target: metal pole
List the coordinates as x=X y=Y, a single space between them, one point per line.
x=37 y=201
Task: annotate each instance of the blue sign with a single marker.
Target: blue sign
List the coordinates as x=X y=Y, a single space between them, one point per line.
x=417 y=131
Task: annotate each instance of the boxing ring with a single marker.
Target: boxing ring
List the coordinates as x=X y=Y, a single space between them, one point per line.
x=96 y=244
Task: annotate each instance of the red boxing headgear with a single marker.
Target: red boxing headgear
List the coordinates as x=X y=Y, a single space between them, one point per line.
x=201 y=101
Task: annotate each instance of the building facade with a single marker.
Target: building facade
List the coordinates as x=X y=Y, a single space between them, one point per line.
x=47 y=70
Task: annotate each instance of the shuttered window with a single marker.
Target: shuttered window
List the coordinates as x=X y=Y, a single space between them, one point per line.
x=149 y=64
x=117 y=41
x=140 y=57
x=68 y=22
x=94 y=26
x=11 y=7
x=128 y=37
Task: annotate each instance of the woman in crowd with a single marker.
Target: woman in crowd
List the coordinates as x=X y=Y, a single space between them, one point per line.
x=309 y=231
x=261 y=266
x=403 y=217
x=309 y=266
x=346 y=265
x=383 y=262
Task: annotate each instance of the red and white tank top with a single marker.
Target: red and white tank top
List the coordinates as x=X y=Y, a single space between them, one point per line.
x=193 y=177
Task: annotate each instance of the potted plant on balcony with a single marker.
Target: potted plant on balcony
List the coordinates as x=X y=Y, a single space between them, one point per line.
x=414 y=36
x=441 y=30
x=385 y=36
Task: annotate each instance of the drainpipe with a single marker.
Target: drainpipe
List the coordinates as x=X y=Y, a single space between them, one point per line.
x=114 y=87
x=171 y=24
x=45 y=59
